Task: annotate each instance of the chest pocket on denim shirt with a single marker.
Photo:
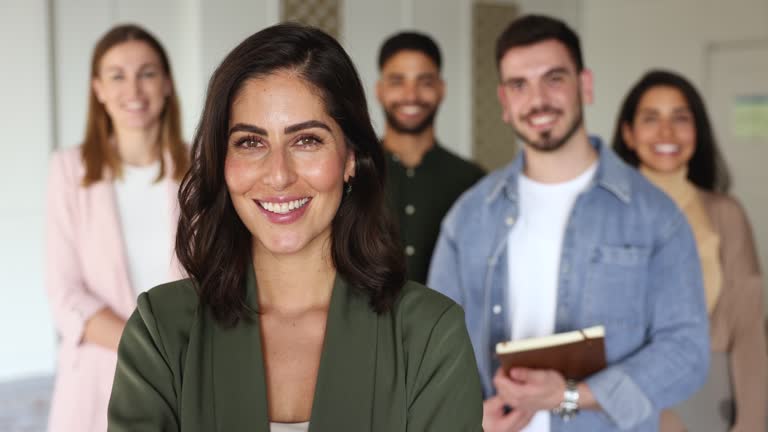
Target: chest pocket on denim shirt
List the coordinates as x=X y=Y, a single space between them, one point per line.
x=615 y=290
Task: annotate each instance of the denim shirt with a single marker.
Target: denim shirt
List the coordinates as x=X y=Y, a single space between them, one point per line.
x=629 y=262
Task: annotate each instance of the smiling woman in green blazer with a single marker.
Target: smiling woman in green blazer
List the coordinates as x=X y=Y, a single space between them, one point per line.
x=296 y=315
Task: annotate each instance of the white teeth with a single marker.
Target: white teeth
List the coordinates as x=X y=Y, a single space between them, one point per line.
x=411 y=109
x=135 y=105
x=540 y=120
x=283 y=208
x=666 y=148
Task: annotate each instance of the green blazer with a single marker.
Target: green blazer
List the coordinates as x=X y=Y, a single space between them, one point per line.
x=409 y=369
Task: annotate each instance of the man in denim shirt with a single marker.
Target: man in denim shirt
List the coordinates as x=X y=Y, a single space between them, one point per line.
x=566 y=237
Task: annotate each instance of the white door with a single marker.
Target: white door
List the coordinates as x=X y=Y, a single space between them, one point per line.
x=737 y=93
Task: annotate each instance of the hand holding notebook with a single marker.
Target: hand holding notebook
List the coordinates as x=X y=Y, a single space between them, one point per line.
x=576 y=354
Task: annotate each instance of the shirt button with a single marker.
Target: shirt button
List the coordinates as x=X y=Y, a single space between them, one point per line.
x=510 y=220
x=410 y=209
x=496 y=309
x=410 y=172
x=410 y=250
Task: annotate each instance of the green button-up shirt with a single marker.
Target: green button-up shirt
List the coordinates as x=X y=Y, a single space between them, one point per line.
x=419 y=197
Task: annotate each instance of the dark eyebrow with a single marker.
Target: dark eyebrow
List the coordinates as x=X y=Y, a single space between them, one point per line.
x=513 y=80
x=115 y=68
x=242 y=127
x=648 y=110
x=307 y=125
x=557 y=70
x=554 y=71
x=394 y=76
x=427 y=76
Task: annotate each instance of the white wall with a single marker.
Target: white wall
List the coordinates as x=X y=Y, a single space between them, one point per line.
x=624 y=38
x=569 y=11
x=26 y=337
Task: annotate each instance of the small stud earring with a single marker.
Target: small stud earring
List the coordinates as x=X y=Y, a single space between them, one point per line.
x=348 y=189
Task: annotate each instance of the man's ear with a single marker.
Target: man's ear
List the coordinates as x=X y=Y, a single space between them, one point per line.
x=587 y=86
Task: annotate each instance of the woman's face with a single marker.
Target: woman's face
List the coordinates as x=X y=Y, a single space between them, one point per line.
x=663 y=133
x=286 y=164
x=132 y=85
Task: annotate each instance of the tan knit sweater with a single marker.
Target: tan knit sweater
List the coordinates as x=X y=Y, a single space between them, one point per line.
x=736 y=317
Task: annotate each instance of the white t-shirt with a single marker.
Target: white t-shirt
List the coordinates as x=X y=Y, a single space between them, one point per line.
x=289 y=427
x=143 y=208
x=534 y=247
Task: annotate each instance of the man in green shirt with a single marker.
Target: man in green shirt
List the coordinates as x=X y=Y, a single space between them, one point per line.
x=423 y=178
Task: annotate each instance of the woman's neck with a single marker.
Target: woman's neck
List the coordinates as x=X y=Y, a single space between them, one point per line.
x=675 y=184
x=139 y=147
x=295 y=283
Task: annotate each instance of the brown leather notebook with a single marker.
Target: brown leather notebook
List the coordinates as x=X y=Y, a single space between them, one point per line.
x=576 y=355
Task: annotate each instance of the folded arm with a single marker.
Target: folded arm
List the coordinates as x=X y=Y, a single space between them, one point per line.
x=79 y=315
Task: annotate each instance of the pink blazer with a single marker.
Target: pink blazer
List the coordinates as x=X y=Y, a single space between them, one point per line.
x=86 y=270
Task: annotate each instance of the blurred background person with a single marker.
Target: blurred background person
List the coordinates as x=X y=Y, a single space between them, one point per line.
x=664 y=130
x=111 y=217
x=423 y=177
x=297 y=314
x=566 y=237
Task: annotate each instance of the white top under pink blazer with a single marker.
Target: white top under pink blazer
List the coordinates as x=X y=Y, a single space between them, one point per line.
x=87 y=270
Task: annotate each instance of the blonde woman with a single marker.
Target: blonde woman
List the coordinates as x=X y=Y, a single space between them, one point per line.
x=111 y=218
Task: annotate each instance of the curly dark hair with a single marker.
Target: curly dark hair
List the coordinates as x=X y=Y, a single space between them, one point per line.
x=213 y=244
x=706 y=169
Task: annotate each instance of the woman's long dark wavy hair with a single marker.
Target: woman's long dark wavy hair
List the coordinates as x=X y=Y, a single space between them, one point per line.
x=214 y=245
x=706 y=169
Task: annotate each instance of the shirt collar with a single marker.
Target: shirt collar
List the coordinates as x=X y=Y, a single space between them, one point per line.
x=428 y=155
x=612 y=174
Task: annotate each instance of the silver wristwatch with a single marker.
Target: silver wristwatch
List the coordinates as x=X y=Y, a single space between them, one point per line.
x=569 y=407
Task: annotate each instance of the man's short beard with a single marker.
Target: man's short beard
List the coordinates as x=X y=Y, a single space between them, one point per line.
x=547 y=143
x=400 y=128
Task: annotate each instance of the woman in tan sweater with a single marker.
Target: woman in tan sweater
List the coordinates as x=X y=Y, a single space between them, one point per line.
x=663 y=129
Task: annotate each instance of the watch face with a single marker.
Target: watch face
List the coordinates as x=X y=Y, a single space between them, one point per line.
x=571 y=395
x=569 y=407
